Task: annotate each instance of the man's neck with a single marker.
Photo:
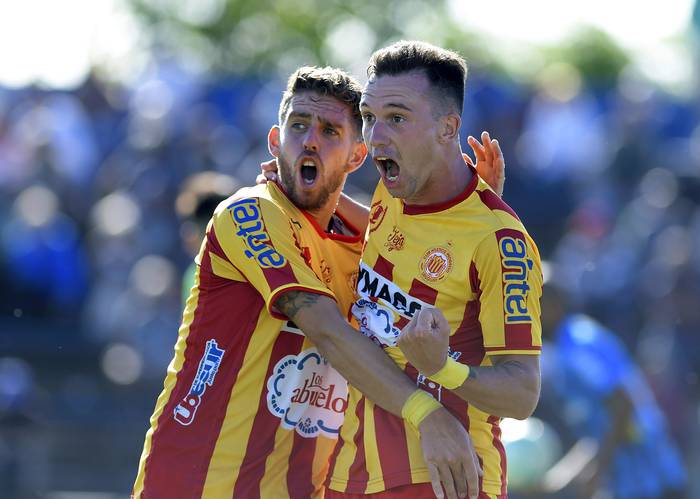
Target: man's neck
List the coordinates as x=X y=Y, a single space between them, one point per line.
x=323 y=214
x=450 y=178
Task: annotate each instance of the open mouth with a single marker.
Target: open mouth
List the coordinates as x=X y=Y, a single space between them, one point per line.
x=389 y=168
x=308 y=172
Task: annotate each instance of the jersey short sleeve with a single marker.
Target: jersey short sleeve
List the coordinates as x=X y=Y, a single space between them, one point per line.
x=255 y=235
x=507 y=278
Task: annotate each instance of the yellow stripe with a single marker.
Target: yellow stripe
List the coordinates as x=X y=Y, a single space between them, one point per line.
x=321 y=465
x=374 y=465
x=170 y=379
x=224 y=269
x=346 y=456
x=231 y=445
x=482 y=438
x=274 y=482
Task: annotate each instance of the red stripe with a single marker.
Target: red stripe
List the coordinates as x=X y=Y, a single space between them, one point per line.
x=393 y=448
x=496 y=432
x=261 y=440
x=358 y=475
x=179 y=458
x=401 y=323
x=423 y=292
x=300 y=472
x=493 y=202
x=278 y=277
x=469 y=337
x=384 y=268
x=213 y=244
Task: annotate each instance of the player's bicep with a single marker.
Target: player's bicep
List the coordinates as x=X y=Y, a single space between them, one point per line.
x=312 y=312
x=510 y=286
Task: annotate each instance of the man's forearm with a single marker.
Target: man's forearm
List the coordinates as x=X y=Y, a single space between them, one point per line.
x=353 y=355
x=510 y=388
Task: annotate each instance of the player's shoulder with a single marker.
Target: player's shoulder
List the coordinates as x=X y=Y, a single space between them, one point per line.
x=264 y=198
x=501 y=214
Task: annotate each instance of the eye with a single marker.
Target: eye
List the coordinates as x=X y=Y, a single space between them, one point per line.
x=367 y=117
x=330 y=131
x=397 y=118
x=296 y=125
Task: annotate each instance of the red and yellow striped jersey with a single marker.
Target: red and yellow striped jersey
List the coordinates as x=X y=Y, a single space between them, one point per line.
x=249 y=407
x=471 y=258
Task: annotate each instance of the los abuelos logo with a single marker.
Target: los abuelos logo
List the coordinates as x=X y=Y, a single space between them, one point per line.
x=436 y=263
x=307 y=394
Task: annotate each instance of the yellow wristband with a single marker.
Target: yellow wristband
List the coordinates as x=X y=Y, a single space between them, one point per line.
x=452 y=375
x=418 y=407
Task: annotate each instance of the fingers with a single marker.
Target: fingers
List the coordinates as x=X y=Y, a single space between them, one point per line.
x=460 y=479
x=435 y=481
x=269 y=166
x=486 y=140
x=467 y=159
x=472 y=472
x=266 y=177
x=448 y=482
x=425 y=319
x=477 y=148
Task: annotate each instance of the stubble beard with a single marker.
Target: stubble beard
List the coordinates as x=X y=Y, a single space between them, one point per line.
x=309 y=202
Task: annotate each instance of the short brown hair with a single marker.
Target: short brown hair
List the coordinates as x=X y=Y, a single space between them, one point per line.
x=327 y=81
x=445 y=70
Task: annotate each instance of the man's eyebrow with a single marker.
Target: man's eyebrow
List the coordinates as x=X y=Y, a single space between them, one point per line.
x=391 y=105
x=308 y=116
x=398 y=105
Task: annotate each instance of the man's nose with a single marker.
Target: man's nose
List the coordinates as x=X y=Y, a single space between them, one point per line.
x=377 y=135
x=311 y=140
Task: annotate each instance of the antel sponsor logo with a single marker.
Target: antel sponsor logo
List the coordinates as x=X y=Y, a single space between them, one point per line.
x=248 y=220
x=307 y=394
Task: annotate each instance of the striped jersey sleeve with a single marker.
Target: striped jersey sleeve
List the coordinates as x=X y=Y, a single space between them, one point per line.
x=253 y=234
x=506 y=276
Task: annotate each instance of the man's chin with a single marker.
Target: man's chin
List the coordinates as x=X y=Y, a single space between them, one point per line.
x=308 y=200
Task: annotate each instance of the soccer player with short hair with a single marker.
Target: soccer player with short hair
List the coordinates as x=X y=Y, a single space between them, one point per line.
x=438 y=237
x=251 y=406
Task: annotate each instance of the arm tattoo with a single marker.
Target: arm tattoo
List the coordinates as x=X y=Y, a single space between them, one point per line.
x=291 y=302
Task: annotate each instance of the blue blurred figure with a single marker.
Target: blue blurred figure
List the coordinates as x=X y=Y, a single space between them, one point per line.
x=593 y=384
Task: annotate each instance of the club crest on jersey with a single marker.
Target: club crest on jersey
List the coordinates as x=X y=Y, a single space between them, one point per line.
x=376 y=215
x=251 y=228
x=186 y=410
x=307 y=395
x=436 y=263
x=395 y=240
x=516 y=267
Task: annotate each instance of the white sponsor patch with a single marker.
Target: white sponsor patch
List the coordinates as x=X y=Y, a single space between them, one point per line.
x=308 y=395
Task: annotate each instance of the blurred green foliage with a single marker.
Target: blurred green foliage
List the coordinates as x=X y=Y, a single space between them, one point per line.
x=259 y=36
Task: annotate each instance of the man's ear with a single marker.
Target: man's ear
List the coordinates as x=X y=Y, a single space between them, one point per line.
x=359 y=153
x=273 y=141
x=449 y=128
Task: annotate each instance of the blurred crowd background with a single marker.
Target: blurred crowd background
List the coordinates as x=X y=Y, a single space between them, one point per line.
x=603 y=166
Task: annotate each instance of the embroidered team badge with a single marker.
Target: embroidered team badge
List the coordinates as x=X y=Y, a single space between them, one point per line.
x=395 y=240
x=376 y=216
x=436 y=263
